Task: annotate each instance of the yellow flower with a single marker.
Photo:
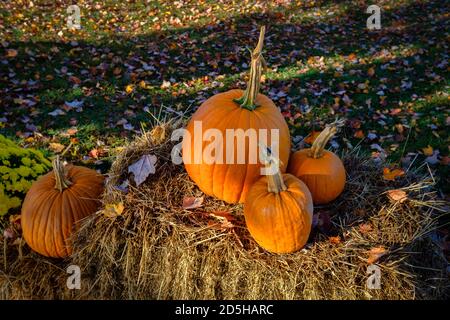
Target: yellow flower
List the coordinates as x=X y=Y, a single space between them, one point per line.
x=18 y=169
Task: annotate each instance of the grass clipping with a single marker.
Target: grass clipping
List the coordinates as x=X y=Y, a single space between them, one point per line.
x=144 y=245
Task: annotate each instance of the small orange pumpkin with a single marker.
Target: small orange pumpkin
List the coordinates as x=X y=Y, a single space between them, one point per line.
x=321 y=170
x=234 y=110
x=54 y=205
x=278 y=212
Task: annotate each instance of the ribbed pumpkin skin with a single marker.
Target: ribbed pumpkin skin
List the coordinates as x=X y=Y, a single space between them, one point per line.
x=279 y=222
x=324 y=176
x=230 y=182
x=49 y=216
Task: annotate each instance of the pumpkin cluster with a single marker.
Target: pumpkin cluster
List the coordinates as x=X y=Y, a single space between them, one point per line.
x=278 y=208
x=278 y=205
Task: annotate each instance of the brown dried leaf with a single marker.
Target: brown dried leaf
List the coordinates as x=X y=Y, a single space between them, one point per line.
x=397 y=195
x=365 y=228
x=192 y=202
x=335 y=240
x=375 y=254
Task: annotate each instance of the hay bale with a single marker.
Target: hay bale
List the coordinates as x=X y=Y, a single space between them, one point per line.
x=157 y=250
x=25 y=274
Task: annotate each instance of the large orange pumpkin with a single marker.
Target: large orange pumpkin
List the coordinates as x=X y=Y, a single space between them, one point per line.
x=234 y=109
x=278 y=212
x=321 y=170
x=55 y=203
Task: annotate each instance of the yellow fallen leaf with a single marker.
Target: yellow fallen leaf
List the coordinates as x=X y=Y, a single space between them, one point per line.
x=390 y=175
x=428 y=151
x=143 y=84
x=129 y=88
x=371 y=72
x=113 y=209
x=56 y=147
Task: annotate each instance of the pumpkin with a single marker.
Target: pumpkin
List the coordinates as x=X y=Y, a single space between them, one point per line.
x=54 y=205
x=278 y=211
x=234 y=109
x=321 y=170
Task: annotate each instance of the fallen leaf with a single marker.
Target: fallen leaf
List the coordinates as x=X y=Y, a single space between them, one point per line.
x=11 y=53
x=225 y=219
x=56 y=147
x=375 y=254
x=143 y=84
x=365 y=228
x=192 y=202
x=129 y=88
x=428 y=151
x=93 y=153
x=352 y=57
x=335 y=240
x=445 y=161
x=143 y=168
x=165 y=84
x=397 y=195
x=71 y=131
x=390 y=175
x=359 y=134
x=223 y=215
x=9 y=233
x=371 y=72
x=74 y=80
x=75 y=104
x=57 y=112
x=113 y=209
x=312 y=137
x=433 y=159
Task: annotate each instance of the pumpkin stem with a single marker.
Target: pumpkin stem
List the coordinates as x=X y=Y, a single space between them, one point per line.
x=322 y=139
x=258 y=65
x=275 y=182
x=60 y=172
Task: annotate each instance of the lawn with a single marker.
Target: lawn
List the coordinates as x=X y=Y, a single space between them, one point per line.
x=85 y=92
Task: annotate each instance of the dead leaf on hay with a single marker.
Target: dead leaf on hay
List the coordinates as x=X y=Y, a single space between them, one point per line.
x=397 y=195
x=192 y=202
x=375 y=254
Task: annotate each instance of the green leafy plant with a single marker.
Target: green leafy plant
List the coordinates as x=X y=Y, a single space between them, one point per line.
x=19 y=167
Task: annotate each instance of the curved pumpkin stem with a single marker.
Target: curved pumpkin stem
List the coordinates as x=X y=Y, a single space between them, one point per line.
x=258 y=65
x=60 y=173
x=322 y=139
x=275 y=182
